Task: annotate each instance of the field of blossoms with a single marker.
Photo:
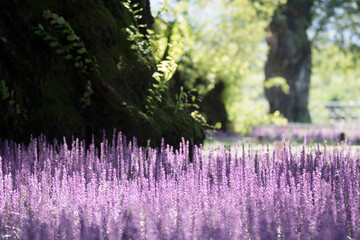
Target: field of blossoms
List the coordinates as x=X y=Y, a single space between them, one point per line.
x=313 y=133
x=123 y=191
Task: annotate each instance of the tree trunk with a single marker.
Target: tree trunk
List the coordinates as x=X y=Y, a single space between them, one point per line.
x=289 y=57
x=45 y=91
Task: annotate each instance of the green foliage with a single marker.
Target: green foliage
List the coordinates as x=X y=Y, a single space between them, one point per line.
x=57 y=94
x=228 y=46
x=337 y=22
x=69 y=45
x=8 y=97
x=199 y=118
x=165 y=71
x=86 y=99
x=335 y=77
x=4 y=90
x=140 y=41
x=253 y=109
x=147 y=43
x=224 y=40
x=185 y=100
x=278 y=82
x=265 y=8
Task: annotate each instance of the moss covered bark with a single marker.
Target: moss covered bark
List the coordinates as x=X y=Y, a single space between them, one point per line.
x=102 y=88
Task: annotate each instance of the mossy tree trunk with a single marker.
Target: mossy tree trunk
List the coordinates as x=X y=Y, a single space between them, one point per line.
x=289 y=57
x=100 y=84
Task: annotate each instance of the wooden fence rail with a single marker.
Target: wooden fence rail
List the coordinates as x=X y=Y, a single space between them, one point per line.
x=335 y=111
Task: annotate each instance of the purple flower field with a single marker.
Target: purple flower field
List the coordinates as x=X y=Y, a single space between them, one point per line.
x=297 y=132
x=122 y=191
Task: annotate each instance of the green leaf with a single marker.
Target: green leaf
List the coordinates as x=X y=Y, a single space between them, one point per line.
x=60 y=20
x=47 y=13
x=75 y=44
x=133 y=28
x=87 y=60
x=41 y=27
x=48 y=37
x=128 y=30
x=217 y=125
x=18 y=109
x=54 y=44
x=5 y=95
x=67 y=48
x=39 y=32
x=59 y=51
x=4 y=90
x=157 y=76
x=77 y=64
x=126 y=5
x=68 y=56
x=81 y=51
x=71 y=38
x=137 y=11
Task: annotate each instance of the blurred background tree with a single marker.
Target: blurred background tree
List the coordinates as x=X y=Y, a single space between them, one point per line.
x=225 y=43
x=220 y=50
x=289 y=57
x=290 y=53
